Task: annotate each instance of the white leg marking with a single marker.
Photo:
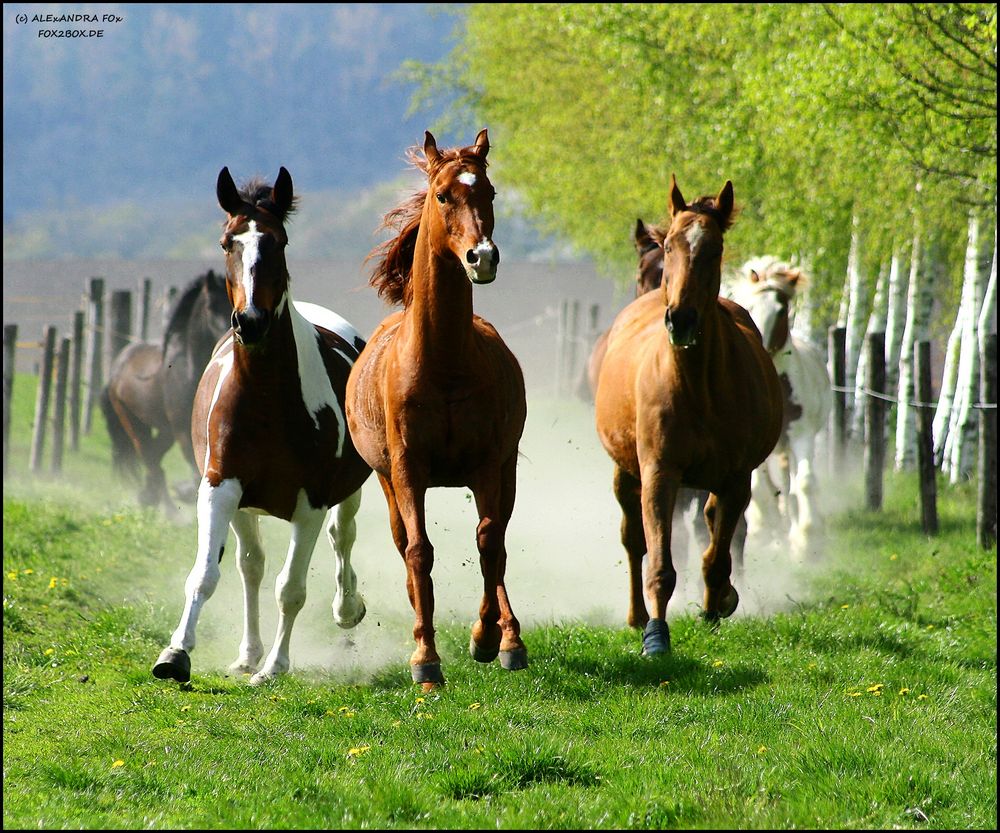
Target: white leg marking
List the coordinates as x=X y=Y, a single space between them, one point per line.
x=348 y=604
x=216 y=506
x=290 y=585
x=250 y=562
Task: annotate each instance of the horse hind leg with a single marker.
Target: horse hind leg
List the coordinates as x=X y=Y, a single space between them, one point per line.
x=290 y=586
x=513 y=652
x=342 y=530
x=633 y=537
x=723 y=512
x=250 y=563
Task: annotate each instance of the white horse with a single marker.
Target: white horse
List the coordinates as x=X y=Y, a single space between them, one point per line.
x=784 y=487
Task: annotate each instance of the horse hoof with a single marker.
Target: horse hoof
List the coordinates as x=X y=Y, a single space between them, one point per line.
x=428 y=673
x=515 y=660
x=729 y=603
x=482 y=654
x=656 y=638
x=241 y=667
x=347 y=622
x=173 y=664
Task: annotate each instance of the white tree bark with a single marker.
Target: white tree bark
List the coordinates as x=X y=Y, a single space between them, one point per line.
x=855 y=315
x=961 y=446
x=876 y=324
x=895 y=316
x=919 y=299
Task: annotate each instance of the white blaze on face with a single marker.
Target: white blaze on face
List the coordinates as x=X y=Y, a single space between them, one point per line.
x=467 y=178
x=694 y=234
x=250 y=241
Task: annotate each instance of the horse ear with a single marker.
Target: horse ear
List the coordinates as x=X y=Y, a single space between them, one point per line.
x=430 y=148
x=677 y=204
x=794 y=276
x=482 y=144
x=724 y=202
x=641 y=236
x=281 y=193
x=225 y=191
x=754 y=277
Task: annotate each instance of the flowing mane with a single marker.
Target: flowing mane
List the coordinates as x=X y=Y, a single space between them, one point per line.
x=394 y=257
x=180 y=315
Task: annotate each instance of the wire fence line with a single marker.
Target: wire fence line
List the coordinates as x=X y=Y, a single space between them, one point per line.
x=892 y=399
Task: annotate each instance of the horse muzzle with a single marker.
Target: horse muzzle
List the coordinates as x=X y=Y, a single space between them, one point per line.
x=250 y=327
x=682 y=326
x=481 y=262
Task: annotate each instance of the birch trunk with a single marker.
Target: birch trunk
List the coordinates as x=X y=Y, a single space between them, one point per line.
x=894 y=317
x=855 y=321
x=963 y=428
x=919 y=299
x=876 y=324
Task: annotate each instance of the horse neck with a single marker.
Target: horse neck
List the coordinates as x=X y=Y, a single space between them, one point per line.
x=440 y=308
x=272 y=356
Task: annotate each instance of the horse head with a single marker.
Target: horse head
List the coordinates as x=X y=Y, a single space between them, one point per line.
x=692 y=265
x=649 y=272
x=458 y=209
x=254 y=241
x=768 y=299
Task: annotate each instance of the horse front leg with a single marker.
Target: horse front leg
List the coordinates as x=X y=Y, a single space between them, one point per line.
x=627 y=492
x=723 y=513
x=250 y=563
x=290 y=585
x=807 y=523
x=216 y=507
x=659 y=496
x=405 y=492
x=348 y=603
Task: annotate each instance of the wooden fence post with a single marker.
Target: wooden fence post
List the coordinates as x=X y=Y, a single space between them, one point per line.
x=925 y=437
x=59 y=416
x=121 y=323
x=168 y=302
x=146 y=294
x=9 y=346
x=573 y=342
x=95 y=350
x=986 y=512
x=42 y=401
x=875 y=421
x=76 y=369
x=837 y=351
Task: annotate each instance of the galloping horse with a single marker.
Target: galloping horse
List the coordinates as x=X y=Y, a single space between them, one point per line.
x=437 y=398
x=270 y=435
x=768 y=293
x=693 y=403
x=147 y=401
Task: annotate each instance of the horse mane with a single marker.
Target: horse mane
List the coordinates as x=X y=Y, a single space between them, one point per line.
x=394 y=257
x=257 y=192
x=707 y=205
x=180 y=315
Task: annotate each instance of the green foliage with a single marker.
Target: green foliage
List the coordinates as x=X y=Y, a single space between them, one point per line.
x=816 y=114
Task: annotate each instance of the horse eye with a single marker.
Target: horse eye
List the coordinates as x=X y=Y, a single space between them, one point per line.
x=441 y=198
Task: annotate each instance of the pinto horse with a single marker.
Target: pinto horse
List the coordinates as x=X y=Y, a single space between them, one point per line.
x=270 y=435
x=147 y=400
x=687 y=396
x=437 y=398
x=768 y=293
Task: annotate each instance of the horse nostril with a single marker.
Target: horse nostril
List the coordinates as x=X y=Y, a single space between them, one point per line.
x=472 y=257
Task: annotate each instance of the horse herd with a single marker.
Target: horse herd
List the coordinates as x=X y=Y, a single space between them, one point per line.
x=283 y=409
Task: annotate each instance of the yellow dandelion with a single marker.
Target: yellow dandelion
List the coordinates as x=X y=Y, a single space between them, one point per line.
x=903 y=692
x=185 y=708
x=876 y=687
x=761 y=750
x=53 y=583
x=49 y=651
x=665 y=682
x=853 y=693
x=347 y=713
x=354 y=751
x=921 y=696
x=930 y=627
x=118 y=763
x=811 y=666
x=474 y=706
x=717 y=664
x=397 y=723
x=844 y=607
x=420 y=700
x=12 y=575
x=28 y=572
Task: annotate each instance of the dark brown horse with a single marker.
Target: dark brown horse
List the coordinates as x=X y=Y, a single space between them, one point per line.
x=270 y=435
x=147 y=401
x=437 y=398
x=687 y=396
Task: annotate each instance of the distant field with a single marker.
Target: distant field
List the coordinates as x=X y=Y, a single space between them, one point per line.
x=861 y=694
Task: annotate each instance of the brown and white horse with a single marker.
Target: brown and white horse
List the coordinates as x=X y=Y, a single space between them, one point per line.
x=768 y=291
x=687 y=396
x=270 y=435
x=437 y=398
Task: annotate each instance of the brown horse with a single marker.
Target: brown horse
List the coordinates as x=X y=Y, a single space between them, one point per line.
x=694 y=403
x=270 y=435
x=147 y=400
x=437 y=398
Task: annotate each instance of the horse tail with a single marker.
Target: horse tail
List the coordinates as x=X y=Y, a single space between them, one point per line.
x=124 y=459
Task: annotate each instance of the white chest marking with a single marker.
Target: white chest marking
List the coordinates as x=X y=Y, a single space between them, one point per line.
x=317 y=391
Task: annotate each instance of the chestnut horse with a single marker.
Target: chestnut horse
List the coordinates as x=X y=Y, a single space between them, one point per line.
x=437 y=398
x=147 y=400
x=270 y=436
x=693 y=403
x=768 y=292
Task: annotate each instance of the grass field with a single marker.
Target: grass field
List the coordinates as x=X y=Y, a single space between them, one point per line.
x=863 y=696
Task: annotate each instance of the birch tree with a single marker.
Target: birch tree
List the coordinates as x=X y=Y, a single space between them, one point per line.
x=895 y=317
x=876 y=324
